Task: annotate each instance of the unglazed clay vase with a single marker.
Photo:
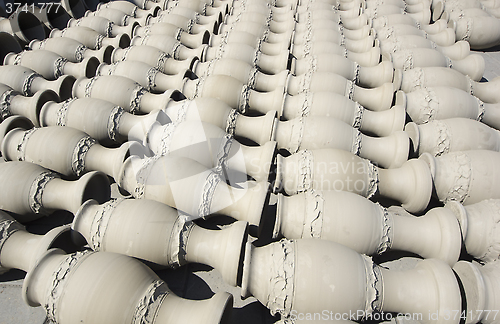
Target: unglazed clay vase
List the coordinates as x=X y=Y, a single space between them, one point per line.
x=323 y=39
x=330 y=104
x=66 y=150
x=338 y=170
x=376 y=99
x=20 y=249
x=441 y=102
x=72 y=50
x=90 y=38
x=52 y=66
x=480 y=32
x=143 y=295
x=312 y=16
x=189 y=40
x=237 y=36
x=443 y=38
x=170 y=46
x=467 y=177
x=234 y=93
x=418 y=78
x=473 y=65
x=358 y=29
x=148 y=77
x=326 y=132
x=270 y=64
x=258 y=30
x=121 y=91
x=28 y=82
x=481 y=285
x=14 y=103
x=210 y=110
x=369 y=77
x=153 y=57
x=102 y=120
x=440 y=137
x=243 y=72
x=24 y=26
x=103 y=26
x=189 y=25
x=118 y=17
x=367 y=227
x=457 y=51
x=130 y=8
x=187 y=185
x=479 y=228
x=115 y=227
x=31 y=191
x=307 y=272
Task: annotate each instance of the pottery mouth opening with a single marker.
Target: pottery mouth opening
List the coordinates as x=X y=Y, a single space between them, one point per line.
x=44 y=97
x=97 y=188
x=91 y=67
x=30 y=26
x=58 y=17
x=66 y=87
x=9 y=45
x=107 y=54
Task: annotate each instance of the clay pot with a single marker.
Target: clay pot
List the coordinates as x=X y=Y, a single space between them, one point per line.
x=467 y=177
x=271 y=64
x=458 y=51
x=350 y=24
x=211 y=147
x=24 y=26
x=202 y=19
x=369 y=77
x=9 y=44
x=274 y=26
x=142 y=293
x=20 y=249
x=440 y=137
x=103 y=26
x=436 y=103
x=473 y=65
x=189 y=25
x=90 y=38
x=479 y=228
x=318 y=44
x=102 y=120
x=443 y=38
x=237 y=36
x=52 y=66
x=242 y=71
x=130 y=8
x=28 y=82
x=210 y=110
x=32 y=191
x=330 y=104
x=418 y=78
x=14 y=103
x=376 y=99
x=234 y=93
x=481 y=286
x=113 y=227
x=368 y=58
x=367 y=227
x=65 y=150
x=153 y=57
x=118 y=17
x=338 y=170
x=192 y=188
x=121 y=91
x=257 y=30
x=326 y=132
x=148 y=77
x=397 y=19
x=307 y=272
x=480 y=32
x=186 y=39
x=361 y=30
x=71 y=49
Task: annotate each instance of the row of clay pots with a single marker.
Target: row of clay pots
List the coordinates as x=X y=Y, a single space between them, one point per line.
x=280 y=275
